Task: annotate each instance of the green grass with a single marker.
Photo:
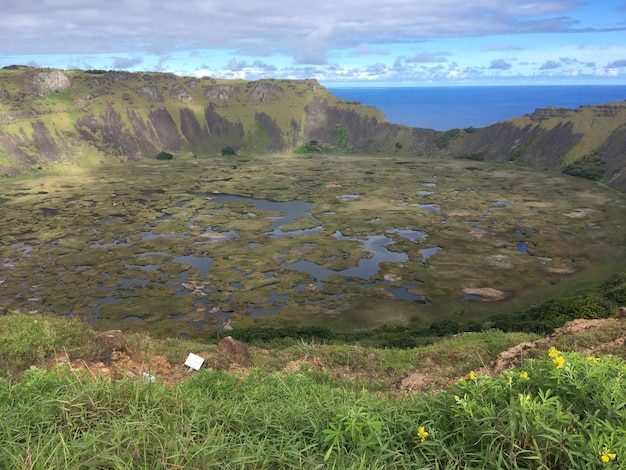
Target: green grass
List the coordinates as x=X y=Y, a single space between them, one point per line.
x=27 y=340
x=561 y=412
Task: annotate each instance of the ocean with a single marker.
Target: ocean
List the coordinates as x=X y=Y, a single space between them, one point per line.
x=443 y=108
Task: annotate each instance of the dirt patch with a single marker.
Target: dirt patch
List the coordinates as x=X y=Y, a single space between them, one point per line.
x=487 y=294
x=460 y=213
x=130 y=363
x=562 y=271
x=538 y=205
x=476 y=234
x=419 y=382
x=308 y=362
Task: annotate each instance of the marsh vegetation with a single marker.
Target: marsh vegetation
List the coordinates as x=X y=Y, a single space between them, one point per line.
x=346 y=242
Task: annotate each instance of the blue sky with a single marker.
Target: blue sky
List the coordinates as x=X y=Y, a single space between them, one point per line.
x=338 y=42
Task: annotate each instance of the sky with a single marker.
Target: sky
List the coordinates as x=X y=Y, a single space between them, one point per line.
x=337 y=42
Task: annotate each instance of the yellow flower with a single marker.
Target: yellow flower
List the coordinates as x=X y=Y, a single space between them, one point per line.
x=422 y=434
x=559 y=361
x=523 y=375
x=593 y=359
x=607 y=456
x=553 y=352
x=472 y=376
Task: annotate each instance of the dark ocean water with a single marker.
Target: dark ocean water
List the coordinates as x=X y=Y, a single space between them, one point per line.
x=443 y=108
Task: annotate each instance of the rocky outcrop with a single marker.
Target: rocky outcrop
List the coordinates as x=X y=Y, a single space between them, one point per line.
x=179 y=93
x=151 y=92
x=263 y=92
x=47 y=81
x=219 y=92
x=272 y=132
x=550 y=112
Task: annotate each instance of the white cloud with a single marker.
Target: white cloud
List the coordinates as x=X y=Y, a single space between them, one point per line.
x=331 y=40
x=91 y=26
x=365 y=49
x=617 y=63
x=500 y=64
x=426 y=57
x=126 y=62
x=550 y=65
x=498 y=47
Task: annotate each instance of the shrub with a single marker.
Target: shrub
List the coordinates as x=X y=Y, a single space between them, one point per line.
x=342 y=136
x=589 y=167
x=615 y=289
x=228 y=151
x=544 y=318
x=312 y=146
x=164 y=156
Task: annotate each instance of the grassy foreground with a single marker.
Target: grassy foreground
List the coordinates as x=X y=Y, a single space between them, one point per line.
x=560 y=410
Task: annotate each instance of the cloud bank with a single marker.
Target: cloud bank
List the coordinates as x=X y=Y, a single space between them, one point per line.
x=361 y=40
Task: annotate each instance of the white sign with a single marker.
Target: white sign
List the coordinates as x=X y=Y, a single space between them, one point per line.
x=194 y=361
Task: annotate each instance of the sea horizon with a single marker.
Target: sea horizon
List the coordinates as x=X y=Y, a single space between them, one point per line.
x=444 y=107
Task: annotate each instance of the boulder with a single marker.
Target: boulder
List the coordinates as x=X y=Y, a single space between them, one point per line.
x=106 y=346
x=235 y=351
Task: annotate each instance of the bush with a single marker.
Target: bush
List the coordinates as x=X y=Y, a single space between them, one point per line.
x=312 y=146
x=615 y=289
x=444 y=328
x=544 y=318
x=228 y=151
x=342 y=136
x=164 y=156
x=589 y=167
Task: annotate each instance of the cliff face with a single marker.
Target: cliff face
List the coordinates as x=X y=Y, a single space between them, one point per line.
x=52 y=117
x=557 y=139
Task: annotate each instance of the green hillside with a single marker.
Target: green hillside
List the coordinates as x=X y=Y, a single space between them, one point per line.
x=56 y=119
x=53 y=118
